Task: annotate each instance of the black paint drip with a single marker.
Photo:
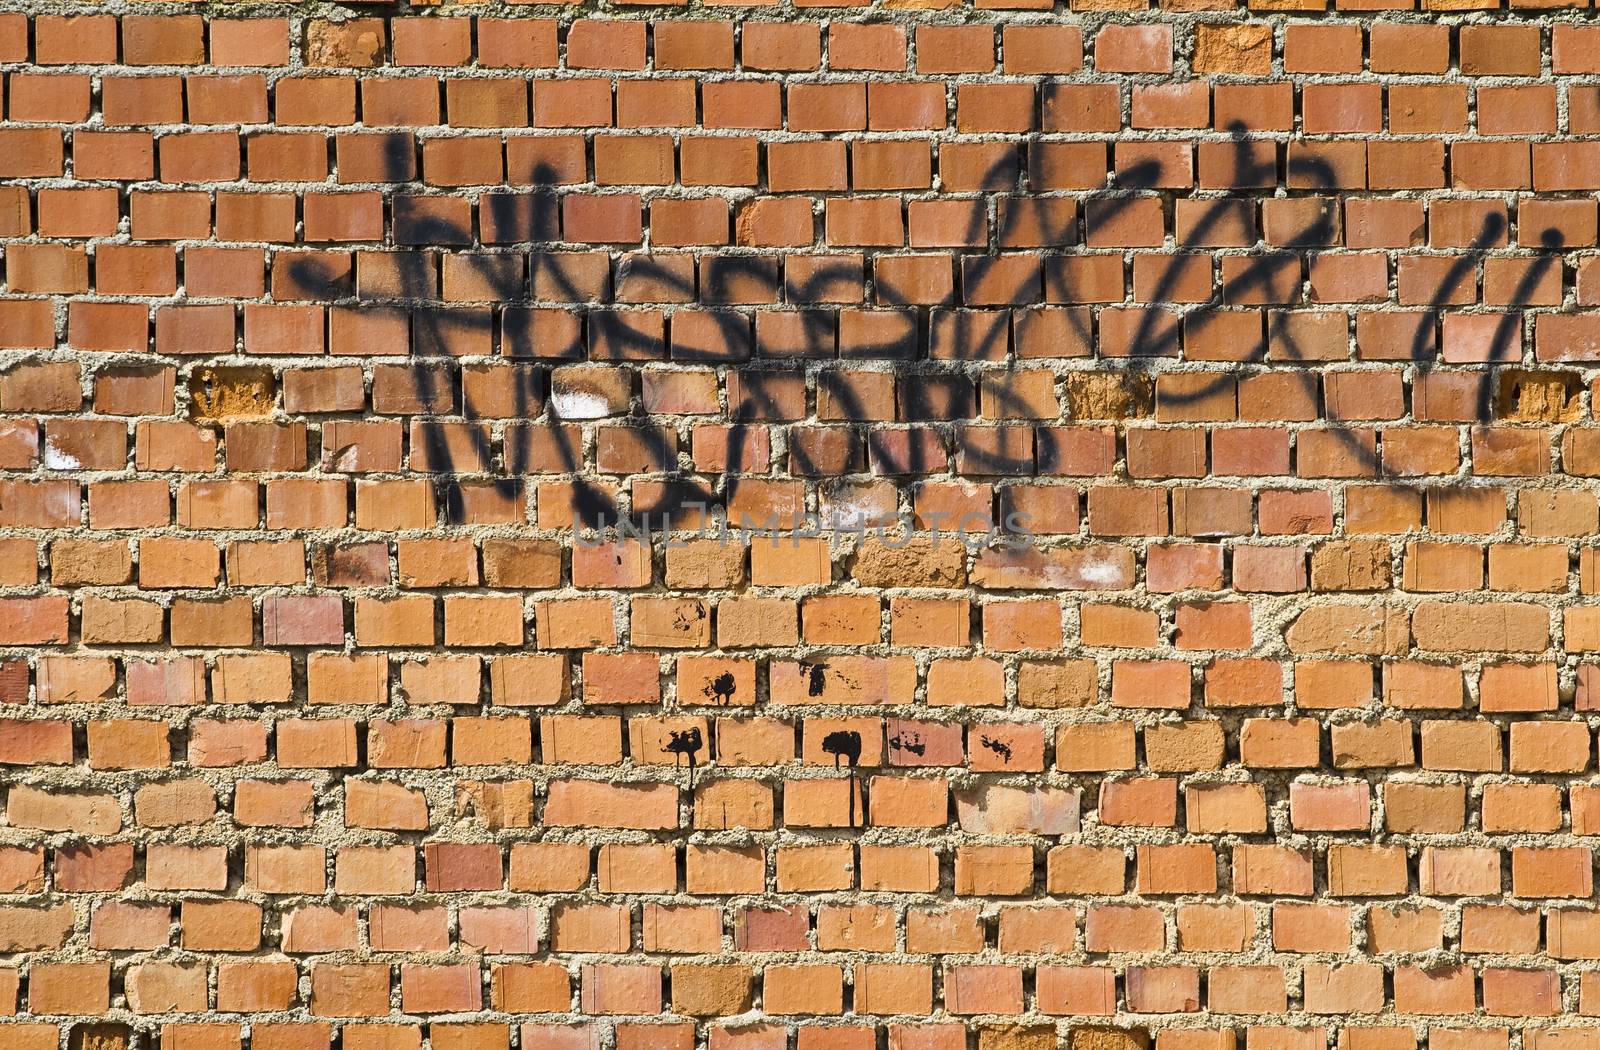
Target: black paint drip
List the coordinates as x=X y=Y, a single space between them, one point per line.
x=845 y=744
x=685 y=742
x=722 y=688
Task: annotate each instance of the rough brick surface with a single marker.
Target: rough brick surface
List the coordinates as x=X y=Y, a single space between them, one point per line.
x=732 y=527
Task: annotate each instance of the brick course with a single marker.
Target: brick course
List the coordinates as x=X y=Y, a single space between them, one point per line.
x=1176 y=431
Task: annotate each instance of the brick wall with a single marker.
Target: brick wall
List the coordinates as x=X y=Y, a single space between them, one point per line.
x=1251 y=704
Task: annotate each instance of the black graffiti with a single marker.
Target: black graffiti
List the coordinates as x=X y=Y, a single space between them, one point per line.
x=974 y=336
